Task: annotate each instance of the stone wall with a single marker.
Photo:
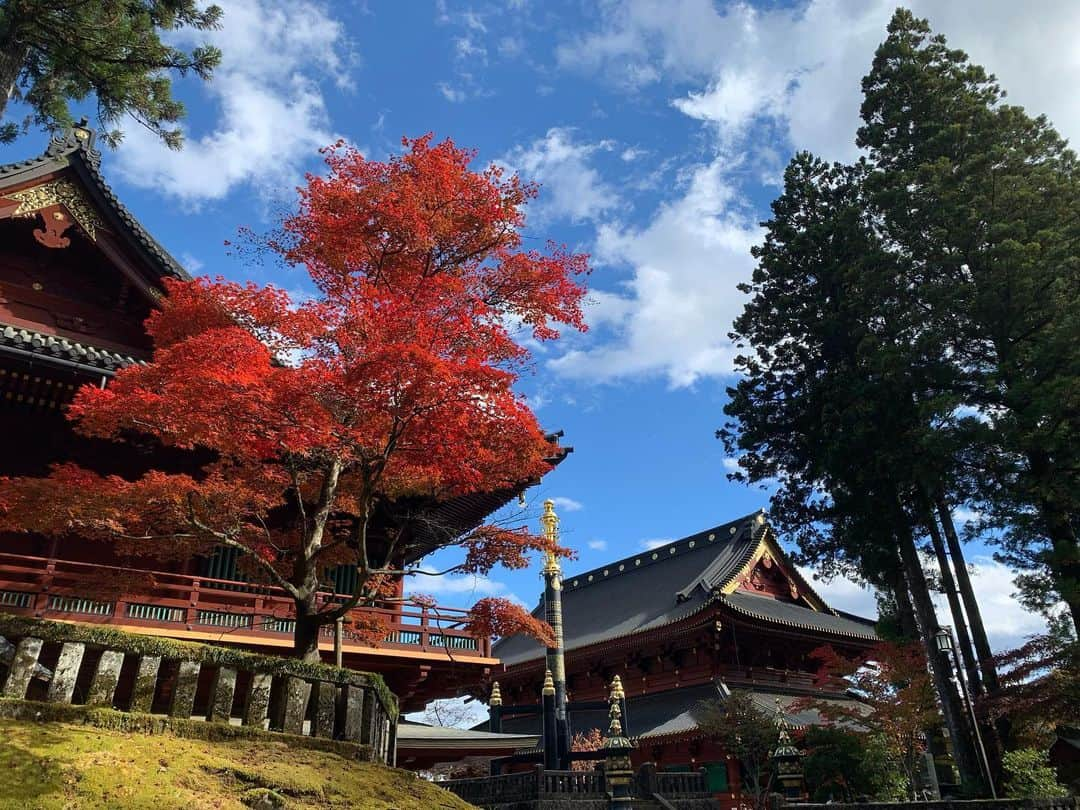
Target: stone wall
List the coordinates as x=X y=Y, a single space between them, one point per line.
x=69 y=664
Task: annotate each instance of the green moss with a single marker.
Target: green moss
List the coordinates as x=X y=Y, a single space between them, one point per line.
x=135 y=644
x=135 y=723
x=50 y=766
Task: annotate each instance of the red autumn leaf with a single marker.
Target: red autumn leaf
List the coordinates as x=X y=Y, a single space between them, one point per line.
x=393 y=385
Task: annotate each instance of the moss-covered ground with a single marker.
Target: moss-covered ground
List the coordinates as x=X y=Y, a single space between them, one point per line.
x=68 y=767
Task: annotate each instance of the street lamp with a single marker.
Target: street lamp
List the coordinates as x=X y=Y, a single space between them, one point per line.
x=943 y=639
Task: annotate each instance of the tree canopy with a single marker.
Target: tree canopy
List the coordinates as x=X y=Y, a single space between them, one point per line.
x=53 y=52
x=331 y=422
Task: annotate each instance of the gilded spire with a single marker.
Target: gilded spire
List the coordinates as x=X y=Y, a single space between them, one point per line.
x=549 y=684
x=617 y=692
x=496 y=695
x=615 y=724
x=550 y=523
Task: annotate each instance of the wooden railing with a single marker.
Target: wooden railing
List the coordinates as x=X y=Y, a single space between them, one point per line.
x=45 y=662
x=559 y=783
x=487 y=790
x=768 y=676
x=579 y=786
x=63 y=589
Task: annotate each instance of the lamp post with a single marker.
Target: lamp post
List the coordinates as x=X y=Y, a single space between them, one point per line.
x=943 y=638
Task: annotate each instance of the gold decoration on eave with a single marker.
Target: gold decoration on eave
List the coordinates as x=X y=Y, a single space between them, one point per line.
x=58 y=192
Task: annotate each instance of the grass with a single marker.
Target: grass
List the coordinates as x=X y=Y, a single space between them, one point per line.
x=71 y=767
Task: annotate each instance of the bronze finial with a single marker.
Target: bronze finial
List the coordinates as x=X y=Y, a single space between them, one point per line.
x=496 y=695
x=617 y=692
x=550 y=523
x=549 y=684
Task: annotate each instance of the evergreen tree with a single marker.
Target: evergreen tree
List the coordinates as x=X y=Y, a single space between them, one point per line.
x=838 y=399
x=55 y=51
x=983 y=201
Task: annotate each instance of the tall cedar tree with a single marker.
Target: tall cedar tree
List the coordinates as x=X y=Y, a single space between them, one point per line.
x=391 y=387
x=838 y=397
x=54 y=52
x=983 y=202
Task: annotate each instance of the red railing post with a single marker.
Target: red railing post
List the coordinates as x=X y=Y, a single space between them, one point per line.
x=425 y=639
x=193 y=603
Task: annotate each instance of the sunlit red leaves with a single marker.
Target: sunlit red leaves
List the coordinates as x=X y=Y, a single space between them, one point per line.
x=893 y=685
x=399 y=373
x=488 y=546
x=500 y=617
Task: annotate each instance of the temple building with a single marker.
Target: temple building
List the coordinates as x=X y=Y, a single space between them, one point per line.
x=683 y=623
x=78 y=277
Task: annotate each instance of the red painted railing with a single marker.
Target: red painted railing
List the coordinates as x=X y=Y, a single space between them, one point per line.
x=63 y=589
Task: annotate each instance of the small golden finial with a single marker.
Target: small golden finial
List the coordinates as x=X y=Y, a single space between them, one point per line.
x=617 y=692
x=496 y=695
x=615 y=724
x=550 y=522
x=549 y=684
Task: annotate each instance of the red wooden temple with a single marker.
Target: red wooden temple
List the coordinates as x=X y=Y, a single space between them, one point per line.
x=687 y=622
x=78 y=277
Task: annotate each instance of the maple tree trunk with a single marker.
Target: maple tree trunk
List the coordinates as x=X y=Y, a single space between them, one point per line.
x=952 y=708
x=306 y=635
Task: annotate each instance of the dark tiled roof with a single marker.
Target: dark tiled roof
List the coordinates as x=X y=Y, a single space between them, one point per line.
x=50 y=346
x=645 y=591
x=793 y=615
x=664 y=585
x=676 y=711
x=68 y=150
x=421 y=735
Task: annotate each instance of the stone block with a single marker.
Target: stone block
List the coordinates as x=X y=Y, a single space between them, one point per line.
x=146 y=677
x=103 y=687
x=367 y=730
x=258 y=699
x=21 y=670
x=221 y=695
x=62 y=687
x=183 y=697
x=322 y=724
x=352 y=712
x=297 y=692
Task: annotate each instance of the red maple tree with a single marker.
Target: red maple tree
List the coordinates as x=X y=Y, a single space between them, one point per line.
x=895 y=697
x=330 y=422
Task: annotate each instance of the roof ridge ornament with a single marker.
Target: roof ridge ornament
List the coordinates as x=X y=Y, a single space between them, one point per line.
x=79 y=136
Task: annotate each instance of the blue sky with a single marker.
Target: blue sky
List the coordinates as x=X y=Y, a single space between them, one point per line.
x=658 y=131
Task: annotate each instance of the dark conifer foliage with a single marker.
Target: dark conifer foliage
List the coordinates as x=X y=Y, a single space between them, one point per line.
x=912 y=345
x=53 y=52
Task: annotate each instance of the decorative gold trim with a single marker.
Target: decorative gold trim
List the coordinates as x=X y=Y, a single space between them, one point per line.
x=58 y=192
x=767 y=547
x=550 y=523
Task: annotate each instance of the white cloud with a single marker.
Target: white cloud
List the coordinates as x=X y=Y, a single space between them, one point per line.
x=192 y=263
x=568 y=504
x=271 y=116
x=597 y=545
x=1007 y=622
x=731 y=464
x=571 y=188
x=473 y=586
x=764 y=82
x=451 y=93
x=802 y=63
x=678 y=306
x=649 y=545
